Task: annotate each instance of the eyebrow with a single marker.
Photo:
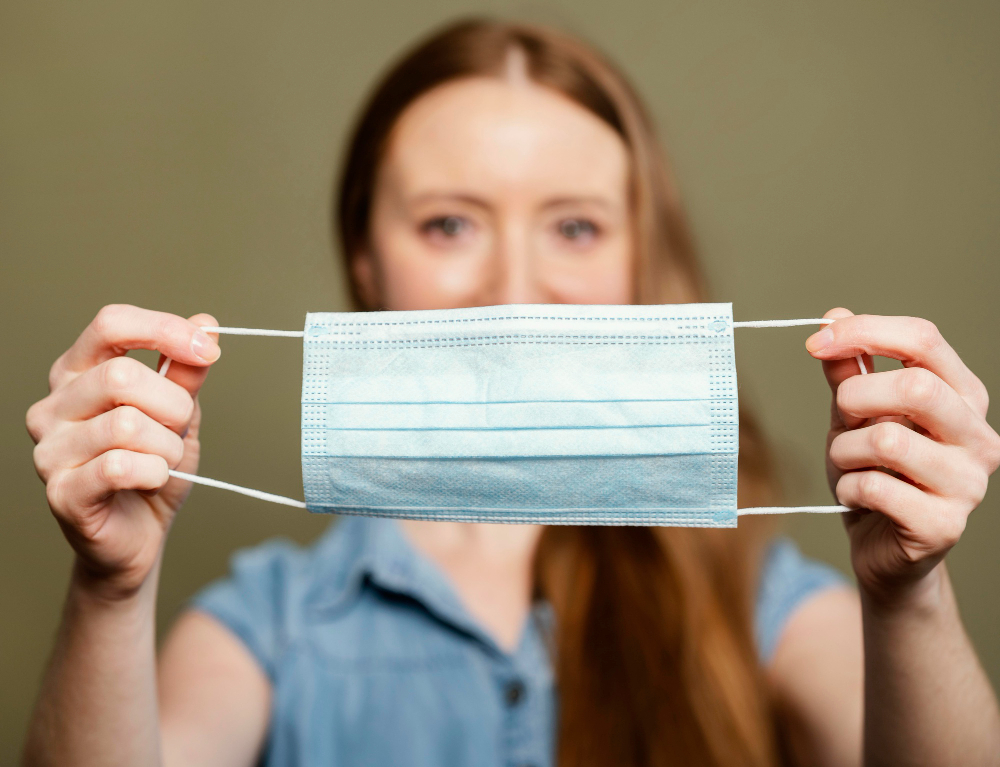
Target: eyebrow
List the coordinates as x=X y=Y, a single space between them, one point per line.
x=583 y=199
x=479 y=202
x=465 y=197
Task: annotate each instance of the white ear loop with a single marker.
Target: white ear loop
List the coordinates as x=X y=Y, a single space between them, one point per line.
x=240 y=332
x=793 y=323
x=237 y=489
x=301 y=505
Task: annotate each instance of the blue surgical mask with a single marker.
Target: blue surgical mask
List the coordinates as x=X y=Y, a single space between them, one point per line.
x=555 y=414
x=550 y=414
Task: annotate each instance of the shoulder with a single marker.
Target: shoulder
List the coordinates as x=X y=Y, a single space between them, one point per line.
x=262 y=598
x=787 y=581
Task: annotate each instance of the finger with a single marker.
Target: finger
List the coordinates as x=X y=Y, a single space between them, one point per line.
x=119 y=328
x=80 y=490
x=917 y=394
x=838 y=371
x=913 y=341
x=124 y=428
x=943 y=469
x=190 y=377
x=915 y=513
x=123 y=381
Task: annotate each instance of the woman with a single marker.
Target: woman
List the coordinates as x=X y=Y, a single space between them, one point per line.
x=504 y=164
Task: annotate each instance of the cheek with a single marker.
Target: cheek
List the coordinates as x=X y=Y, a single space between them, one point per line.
x=413 y=275
x=603 y=277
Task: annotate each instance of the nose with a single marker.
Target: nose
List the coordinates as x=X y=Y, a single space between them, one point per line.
x=515 y=285
x=517 y=274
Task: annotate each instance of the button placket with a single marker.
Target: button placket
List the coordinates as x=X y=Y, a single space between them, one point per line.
x=514 y=692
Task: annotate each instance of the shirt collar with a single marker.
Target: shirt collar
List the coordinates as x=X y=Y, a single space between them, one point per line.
x=359 y=552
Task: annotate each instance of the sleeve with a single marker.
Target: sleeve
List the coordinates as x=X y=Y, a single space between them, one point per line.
x=787 y=581
x=252 y=601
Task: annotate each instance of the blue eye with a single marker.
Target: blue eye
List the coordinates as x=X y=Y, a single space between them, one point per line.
x=577 y=228
x=450 y=226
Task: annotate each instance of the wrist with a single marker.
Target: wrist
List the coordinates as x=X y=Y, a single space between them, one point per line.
x=103 y=590
x=925 y=595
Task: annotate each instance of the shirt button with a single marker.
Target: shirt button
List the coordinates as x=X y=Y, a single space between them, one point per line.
x=514 y=692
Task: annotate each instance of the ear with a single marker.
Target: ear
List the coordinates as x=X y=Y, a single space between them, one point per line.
x=363 y=275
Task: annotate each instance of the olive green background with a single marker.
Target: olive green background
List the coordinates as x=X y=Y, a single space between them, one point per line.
x=179 y=156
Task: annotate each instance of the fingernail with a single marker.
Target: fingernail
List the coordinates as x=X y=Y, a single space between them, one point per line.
x=203 y=345
x=819 y=341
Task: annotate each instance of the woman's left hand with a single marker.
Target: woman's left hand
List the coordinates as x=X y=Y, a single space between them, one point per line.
x=910 y=448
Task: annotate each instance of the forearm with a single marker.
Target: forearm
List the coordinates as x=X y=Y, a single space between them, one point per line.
x=98 y=701
x=927 y=698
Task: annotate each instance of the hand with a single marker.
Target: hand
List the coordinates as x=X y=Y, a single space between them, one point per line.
x=109 y=430
x=911 y=448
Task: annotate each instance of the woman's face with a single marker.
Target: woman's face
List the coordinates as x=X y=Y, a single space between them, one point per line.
x=499 y=191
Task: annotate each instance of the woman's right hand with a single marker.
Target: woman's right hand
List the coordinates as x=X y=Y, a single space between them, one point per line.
x=110 y=429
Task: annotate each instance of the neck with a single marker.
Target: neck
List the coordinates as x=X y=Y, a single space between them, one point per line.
x=493 y=541
x=489 y=566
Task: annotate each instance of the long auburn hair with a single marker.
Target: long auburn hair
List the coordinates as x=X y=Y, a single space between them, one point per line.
x=653 y=648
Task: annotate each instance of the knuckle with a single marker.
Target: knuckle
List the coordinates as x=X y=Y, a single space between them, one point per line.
x=838 y=447
x=890 y=442
x=980 y=397
x=175 y=452
x=180 y=412
x=927 y=337
x=112 y=315
x=57 y=373
x=864 y=330
x=42 y=457
x=846 y=395
x=871 y=489
x=846 y=490
x=177 y=417
x=115 y=468
x=55 y=494
x=170 y=329
x=109 y=317
x=993 y=452
x=976 y=486
x=124 y=424
x=120 y=374
x=33 y=421
x=920 y=388
x=189 y=408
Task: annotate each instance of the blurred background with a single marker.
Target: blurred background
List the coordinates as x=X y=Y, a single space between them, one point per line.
x=180 y=156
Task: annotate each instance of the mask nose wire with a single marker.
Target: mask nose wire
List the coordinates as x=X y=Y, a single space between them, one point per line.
x=194 y=478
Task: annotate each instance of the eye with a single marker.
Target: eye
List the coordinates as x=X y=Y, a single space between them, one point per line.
x=449 y=226
x=577 y=229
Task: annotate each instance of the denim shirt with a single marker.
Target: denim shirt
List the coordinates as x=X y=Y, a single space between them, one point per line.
x=374 y=661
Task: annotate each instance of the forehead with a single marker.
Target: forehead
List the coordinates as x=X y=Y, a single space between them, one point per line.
x=488 y=135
